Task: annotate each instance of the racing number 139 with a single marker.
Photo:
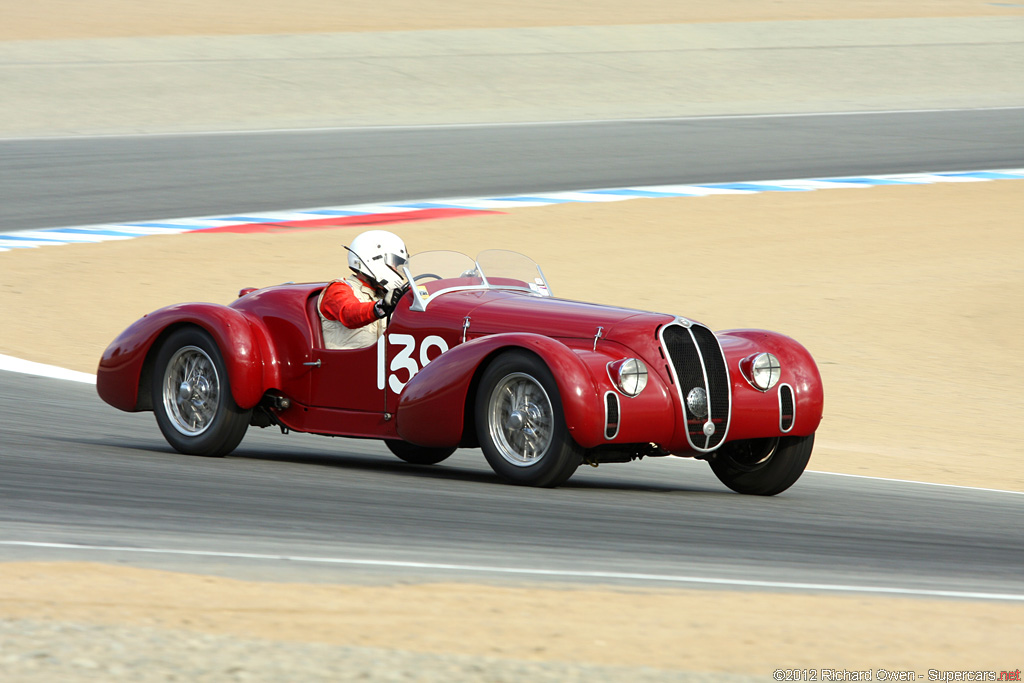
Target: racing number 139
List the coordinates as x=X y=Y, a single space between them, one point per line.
x=405 y=358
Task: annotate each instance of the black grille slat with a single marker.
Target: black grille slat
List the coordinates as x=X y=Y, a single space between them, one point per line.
x=682 y=345
x=683 y=353
x=787 y=412
x=611 y=406
x=718 y=379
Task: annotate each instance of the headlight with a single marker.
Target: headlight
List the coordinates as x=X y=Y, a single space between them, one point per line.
x=629 y=375
x=762 y=370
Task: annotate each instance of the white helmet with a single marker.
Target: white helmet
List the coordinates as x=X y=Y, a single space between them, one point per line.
x=378 y=255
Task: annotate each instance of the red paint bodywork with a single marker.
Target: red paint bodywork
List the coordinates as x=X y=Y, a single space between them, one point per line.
x=271 y=342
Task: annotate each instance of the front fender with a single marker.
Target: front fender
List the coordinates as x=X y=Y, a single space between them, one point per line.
x=432 y=408
x=122 y=378
x=755 y=413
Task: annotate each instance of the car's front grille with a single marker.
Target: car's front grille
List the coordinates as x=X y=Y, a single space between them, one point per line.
x=699 y=366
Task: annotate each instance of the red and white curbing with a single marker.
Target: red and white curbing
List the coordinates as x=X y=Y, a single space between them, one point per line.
x=382 y=214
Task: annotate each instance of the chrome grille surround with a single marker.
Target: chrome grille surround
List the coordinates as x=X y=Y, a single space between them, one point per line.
x=697 y=360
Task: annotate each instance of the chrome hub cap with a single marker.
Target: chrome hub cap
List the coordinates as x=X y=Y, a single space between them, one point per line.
x=191 y=390
x=521 y=419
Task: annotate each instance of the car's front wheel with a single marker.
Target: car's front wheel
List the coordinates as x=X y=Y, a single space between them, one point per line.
x=417 y=455
x=520 y=424
x=192 y=396
x=762 y=467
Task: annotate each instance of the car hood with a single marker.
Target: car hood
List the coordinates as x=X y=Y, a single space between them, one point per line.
x=513 y=312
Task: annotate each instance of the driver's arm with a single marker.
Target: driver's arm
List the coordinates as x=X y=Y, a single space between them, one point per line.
x=340 y=303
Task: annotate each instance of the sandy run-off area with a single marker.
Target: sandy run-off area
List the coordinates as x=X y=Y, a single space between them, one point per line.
x=909 y=298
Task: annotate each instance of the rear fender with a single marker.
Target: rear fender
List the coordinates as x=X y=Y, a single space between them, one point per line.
x=125 y=369
x=433 y=406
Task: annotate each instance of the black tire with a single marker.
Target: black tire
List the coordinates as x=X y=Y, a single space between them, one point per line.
x=520 y=423
x=417 y=455
x=762 y=467
x=192 y=398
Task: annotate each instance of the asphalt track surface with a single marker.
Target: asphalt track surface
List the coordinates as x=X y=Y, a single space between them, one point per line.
x=78 y=181
x=74 y=471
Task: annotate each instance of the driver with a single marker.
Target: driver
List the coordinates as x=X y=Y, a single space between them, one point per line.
x=353 y=311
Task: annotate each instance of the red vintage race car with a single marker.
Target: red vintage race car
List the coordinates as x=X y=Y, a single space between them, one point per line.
x=478 y=354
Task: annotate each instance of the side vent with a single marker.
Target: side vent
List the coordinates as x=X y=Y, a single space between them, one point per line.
x=787 y=408
x=611 y=415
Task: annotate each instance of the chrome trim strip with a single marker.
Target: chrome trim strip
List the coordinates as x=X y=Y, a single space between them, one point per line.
x=792 y=398
x=671 y=365
x=618 y=424
x=686 y=325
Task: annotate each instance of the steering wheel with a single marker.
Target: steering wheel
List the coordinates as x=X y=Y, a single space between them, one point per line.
x=423 y=275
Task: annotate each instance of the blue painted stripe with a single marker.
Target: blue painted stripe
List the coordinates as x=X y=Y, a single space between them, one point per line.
x=754 y=187
x=547 y=200
x=18 y=238
x=873 y=181
x=987 y=175
x=431 y=205
x=335 y=212
x=94 y=231
x=169 y=225
x=642 y=193
x=251 y=219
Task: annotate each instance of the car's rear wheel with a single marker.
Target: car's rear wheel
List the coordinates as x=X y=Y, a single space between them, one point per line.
x=417 y=455
x=192 y=396
x=520 y=424
x=762 y=467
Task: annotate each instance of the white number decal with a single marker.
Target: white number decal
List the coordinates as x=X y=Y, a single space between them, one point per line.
x=431 y=342
x=404 y=359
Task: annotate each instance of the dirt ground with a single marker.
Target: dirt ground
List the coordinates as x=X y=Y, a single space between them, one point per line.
x=688 y=630
x=909 y=298
x=60 y=19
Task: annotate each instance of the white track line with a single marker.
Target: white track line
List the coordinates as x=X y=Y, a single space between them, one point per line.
x=554 y=573
x=512 y=124
x=27 y=367
x=922 y=483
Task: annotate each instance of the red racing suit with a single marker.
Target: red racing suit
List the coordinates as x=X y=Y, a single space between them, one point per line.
x=349 y=315
x=340 y=303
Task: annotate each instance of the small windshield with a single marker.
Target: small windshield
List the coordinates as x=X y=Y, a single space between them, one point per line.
x=435 y=272
x=428 y=266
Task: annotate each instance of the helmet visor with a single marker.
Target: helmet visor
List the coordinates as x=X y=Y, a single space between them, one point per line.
x=395 y=261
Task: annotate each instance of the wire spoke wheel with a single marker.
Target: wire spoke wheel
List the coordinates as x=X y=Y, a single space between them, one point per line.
x=520 y=419
x=191 y=390
x=520 y=424
x=191 y=395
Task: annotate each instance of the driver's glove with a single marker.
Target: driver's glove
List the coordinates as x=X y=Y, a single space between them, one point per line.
x=385 y=306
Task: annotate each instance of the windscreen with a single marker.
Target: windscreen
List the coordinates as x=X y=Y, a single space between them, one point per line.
x=428 y=266
x=433 y=273
x=511 y=269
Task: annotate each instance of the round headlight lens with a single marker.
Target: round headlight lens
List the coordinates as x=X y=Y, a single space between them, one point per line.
x=629 y=375
x=765 y=371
